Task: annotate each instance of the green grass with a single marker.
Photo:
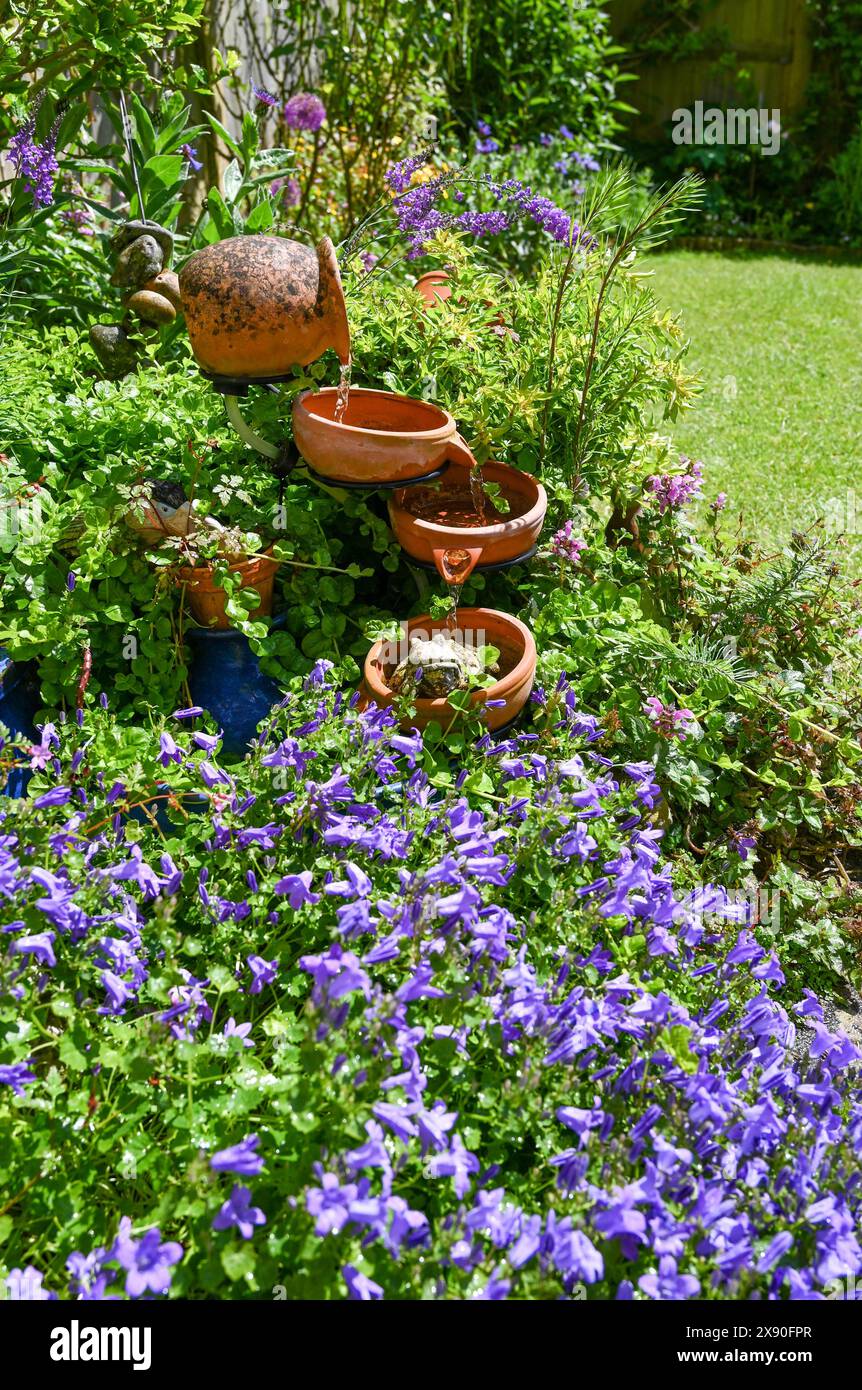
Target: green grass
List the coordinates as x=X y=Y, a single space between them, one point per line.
x=778 y=342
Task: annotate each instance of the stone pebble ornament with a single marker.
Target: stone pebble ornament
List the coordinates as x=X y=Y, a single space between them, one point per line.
x=143 y=253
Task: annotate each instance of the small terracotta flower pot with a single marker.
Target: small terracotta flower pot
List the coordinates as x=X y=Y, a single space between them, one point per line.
x=517 y=649
x=434 y=287
x=429 y=538
x=207 y=601
x=382 y=438
x=256 y=306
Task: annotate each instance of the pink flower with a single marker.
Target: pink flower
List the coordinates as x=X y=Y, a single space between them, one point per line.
x=673 y=490
x=667 y=721
x=567 y=545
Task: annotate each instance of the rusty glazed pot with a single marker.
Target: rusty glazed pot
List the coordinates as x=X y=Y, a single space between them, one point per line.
x=256 y=306
x=382 y=438
x=517 y=649
x=430 y=539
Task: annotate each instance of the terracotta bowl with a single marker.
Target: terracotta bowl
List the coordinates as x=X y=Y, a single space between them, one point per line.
x=514 y=535
x=517 y=652
x=434 y=287
x=383 y=437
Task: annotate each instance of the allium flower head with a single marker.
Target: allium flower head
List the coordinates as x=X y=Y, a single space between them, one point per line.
x=304 y=111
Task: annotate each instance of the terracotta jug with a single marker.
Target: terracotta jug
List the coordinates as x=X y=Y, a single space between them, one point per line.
x=256 y=306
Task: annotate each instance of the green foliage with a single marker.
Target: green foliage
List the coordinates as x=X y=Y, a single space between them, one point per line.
x=527 y=68
x=67 y=47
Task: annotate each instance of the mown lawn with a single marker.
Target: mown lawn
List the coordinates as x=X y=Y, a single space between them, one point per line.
x=779 y=425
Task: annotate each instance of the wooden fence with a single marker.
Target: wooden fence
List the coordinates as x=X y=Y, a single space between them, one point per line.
x=769 y=39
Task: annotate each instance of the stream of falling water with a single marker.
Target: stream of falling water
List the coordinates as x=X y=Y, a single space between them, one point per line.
x=477 y=493
x=455 y=563
x=341 y=400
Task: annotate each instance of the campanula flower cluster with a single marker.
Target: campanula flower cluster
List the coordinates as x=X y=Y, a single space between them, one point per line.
x=369 y=1026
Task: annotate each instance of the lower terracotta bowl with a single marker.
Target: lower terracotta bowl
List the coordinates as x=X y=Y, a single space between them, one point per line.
x=382 y=438
x=482 y=627
x=431 y=534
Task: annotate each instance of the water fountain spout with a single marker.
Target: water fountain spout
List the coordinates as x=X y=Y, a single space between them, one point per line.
x=456 y=565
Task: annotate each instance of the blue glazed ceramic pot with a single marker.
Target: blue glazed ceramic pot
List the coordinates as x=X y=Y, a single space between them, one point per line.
x=19 y=701
x=226 y=679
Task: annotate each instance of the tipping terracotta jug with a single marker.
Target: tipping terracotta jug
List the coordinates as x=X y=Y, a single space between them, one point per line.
x=256 y=306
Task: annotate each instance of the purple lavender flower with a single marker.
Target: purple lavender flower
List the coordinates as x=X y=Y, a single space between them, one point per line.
x=35 y=164
x=674 y=490
x=238 y=1211
x=287 y=191
x=400 y=174
x=298 y=889
x=57 y=796
x=40 y=945
x=25 y=1286
x=232 y=1029
x=79 y=219
x=191 y=155
x=304 y=111
x=668 y=1284
x=240 y=1158
x=669 y=722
